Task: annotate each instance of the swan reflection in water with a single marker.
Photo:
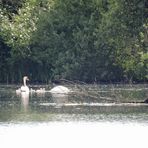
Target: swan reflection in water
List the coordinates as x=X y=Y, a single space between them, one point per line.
x=24 y=96
x=59 y=99
x=59 y=93
x=25 y=100
x=23 y=92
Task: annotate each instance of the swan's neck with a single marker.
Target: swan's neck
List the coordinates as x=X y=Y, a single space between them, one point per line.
x=24 y=82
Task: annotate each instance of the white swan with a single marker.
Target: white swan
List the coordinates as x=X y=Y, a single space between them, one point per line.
x=24 y=87
x=60 y=90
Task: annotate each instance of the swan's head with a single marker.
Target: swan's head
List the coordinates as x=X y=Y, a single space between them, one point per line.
x=25 y=78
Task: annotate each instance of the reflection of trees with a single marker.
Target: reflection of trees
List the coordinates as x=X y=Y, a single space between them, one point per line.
x=131 y=95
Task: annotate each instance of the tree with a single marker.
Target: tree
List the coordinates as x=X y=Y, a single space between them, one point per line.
x=17 y=31
x=91 y=41
x=126 y=29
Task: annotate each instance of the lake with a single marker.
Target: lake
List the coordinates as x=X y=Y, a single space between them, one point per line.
x=90 y=116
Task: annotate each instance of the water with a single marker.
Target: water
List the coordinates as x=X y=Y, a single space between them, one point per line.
x=91 y=116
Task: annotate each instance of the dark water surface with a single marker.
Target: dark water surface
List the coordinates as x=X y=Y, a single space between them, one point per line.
x=84 y=103
x=91 y=116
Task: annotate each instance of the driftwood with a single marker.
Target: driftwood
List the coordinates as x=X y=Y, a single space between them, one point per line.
x=84 y=92
x=136 y=102
x=145 y=101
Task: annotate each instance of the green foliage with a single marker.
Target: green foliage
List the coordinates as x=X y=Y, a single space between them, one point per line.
x=17 y=31
x=73 y=36
x=11 y=6
x=91 y=41
x=129 y=38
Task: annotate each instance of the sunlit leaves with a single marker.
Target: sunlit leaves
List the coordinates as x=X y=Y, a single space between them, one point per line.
x=18 y=30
